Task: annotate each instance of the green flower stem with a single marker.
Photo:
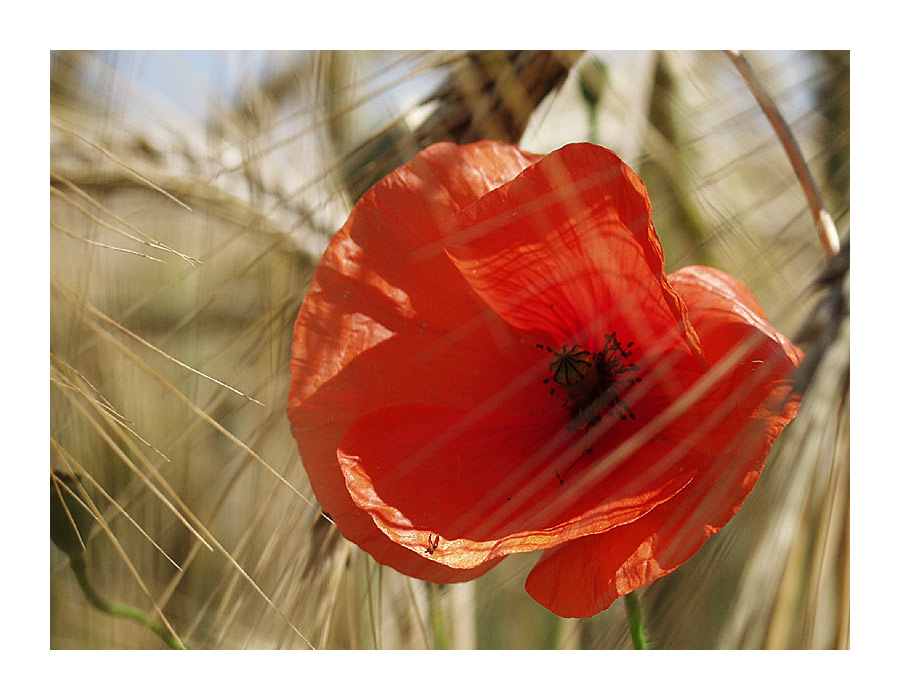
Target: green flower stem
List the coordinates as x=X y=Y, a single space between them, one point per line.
x=78 y=566
x=633 y=610
x=437 y=619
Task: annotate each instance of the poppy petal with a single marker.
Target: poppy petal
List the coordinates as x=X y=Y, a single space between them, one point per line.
x=583 y=577
x=725 y=306
x=483 y=483
x=568 y=247
x=382 y=292
x=374 y=279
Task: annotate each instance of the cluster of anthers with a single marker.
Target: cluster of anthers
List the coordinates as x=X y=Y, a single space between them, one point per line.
x=594 y=381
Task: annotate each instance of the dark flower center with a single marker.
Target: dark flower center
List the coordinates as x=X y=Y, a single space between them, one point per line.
x=594 y=381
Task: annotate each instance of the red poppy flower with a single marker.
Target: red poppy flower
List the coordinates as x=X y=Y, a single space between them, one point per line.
x=490 y=359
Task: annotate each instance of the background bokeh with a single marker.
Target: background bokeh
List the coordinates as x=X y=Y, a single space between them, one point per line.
x=191 y=194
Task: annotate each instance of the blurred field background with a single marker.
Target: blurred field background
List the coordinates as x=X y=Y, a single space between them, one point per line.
x=190 y=197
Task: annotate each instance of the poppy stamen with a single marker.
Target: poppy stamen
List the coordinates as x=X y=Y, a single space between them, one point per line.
x=594 y=381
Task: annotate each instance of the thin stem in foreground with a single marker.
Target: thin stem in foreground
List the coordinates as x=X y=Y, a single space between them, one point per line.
x=635 y=623
x=823 y=221
x=136 y=614
x=437 y=619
